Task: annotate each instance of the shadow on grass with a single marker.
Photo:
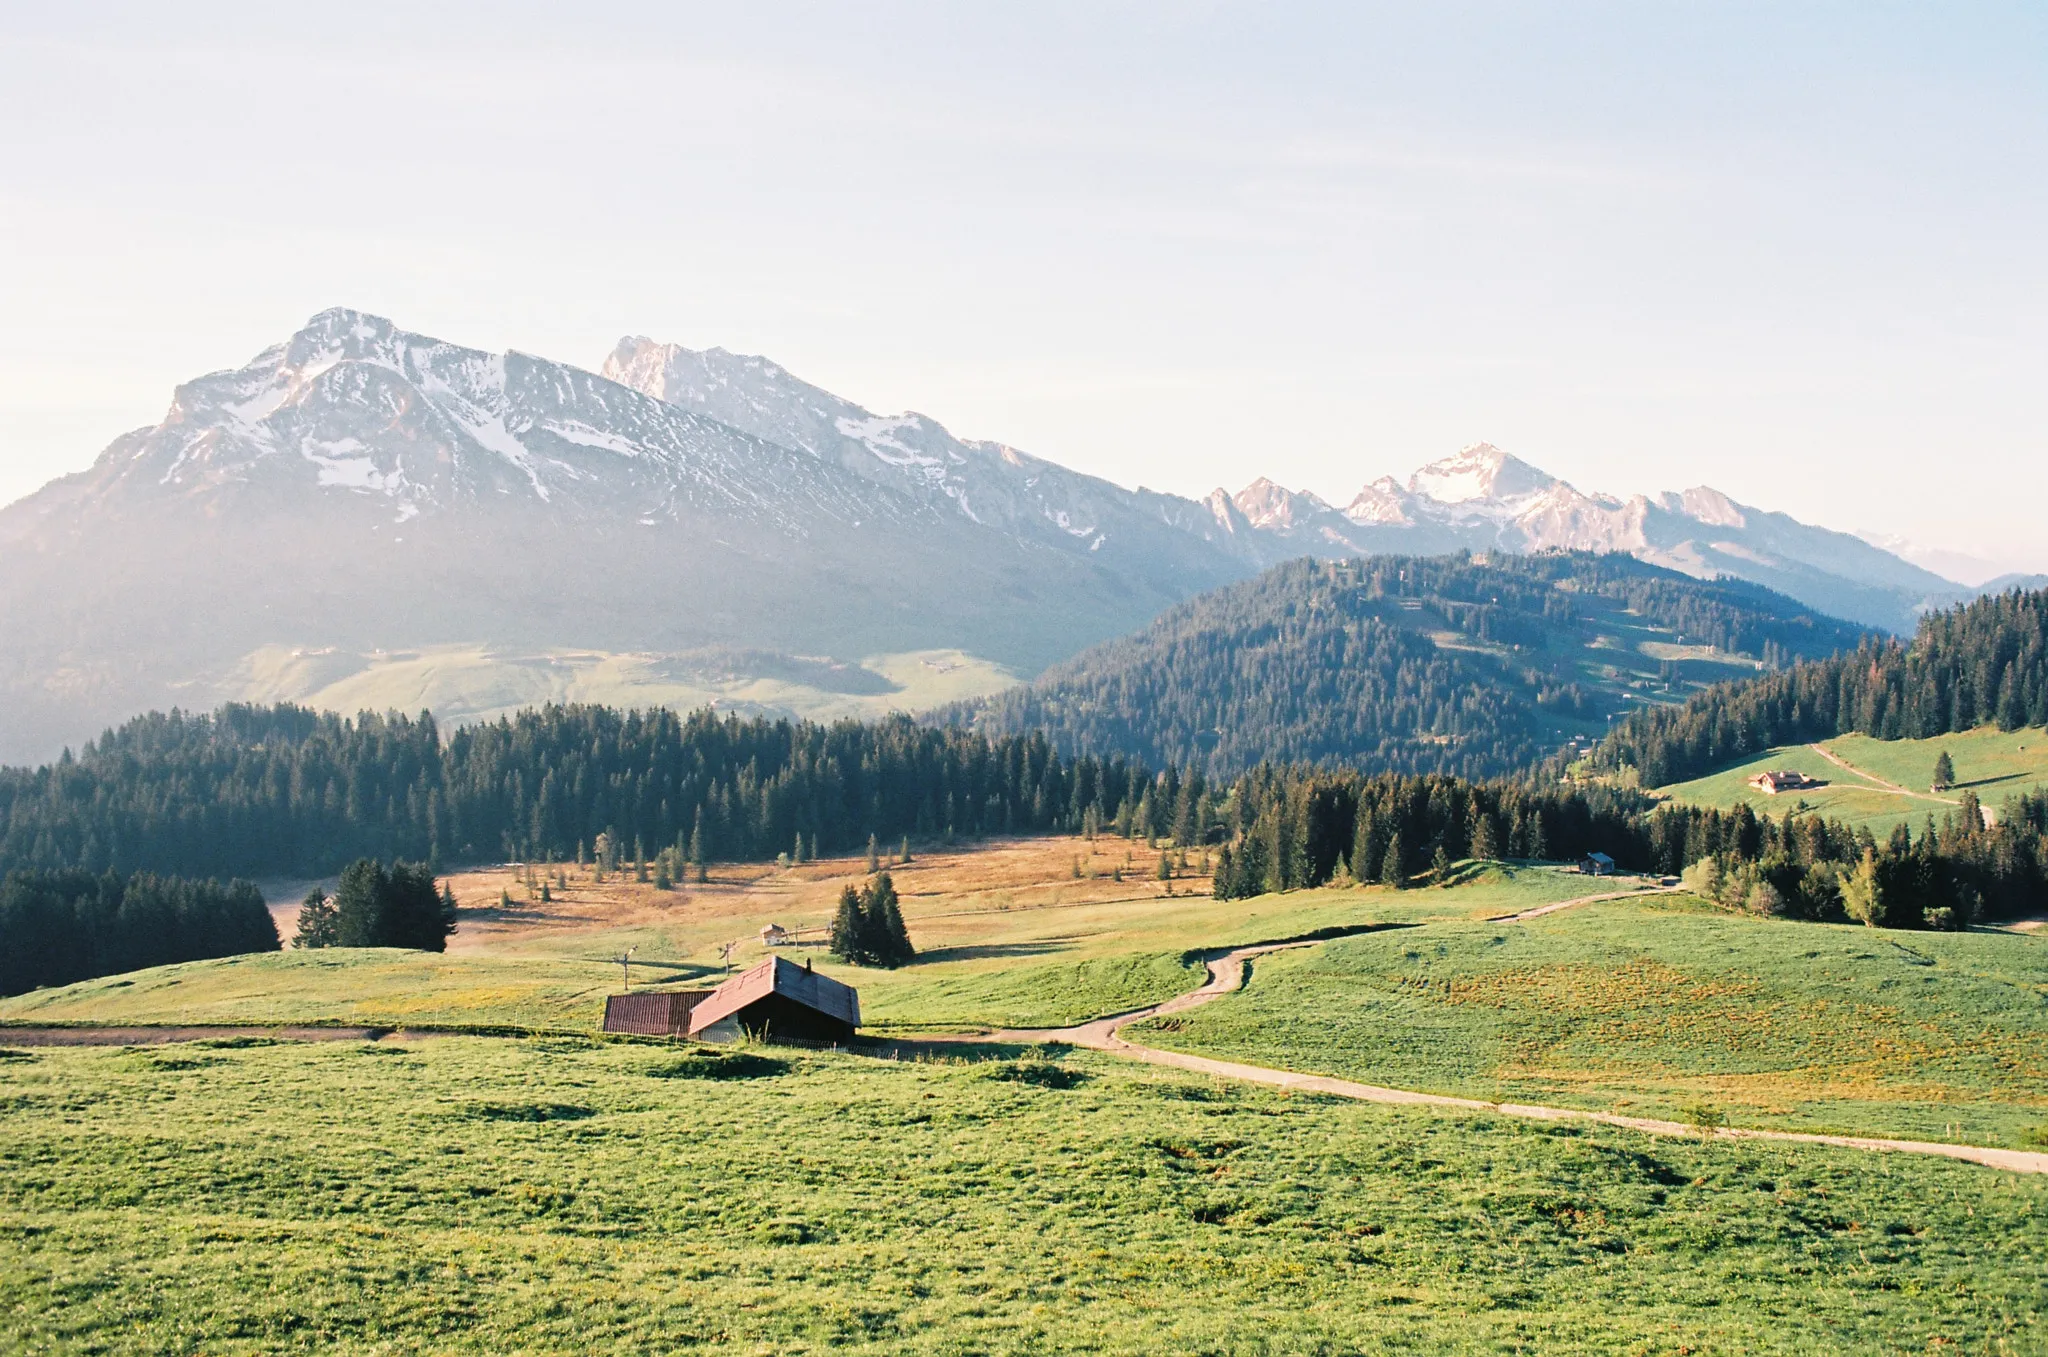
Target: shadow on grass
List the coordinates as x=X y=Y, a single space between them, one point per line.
x=940 y=1051
x=1989 y=781
x=984 y=951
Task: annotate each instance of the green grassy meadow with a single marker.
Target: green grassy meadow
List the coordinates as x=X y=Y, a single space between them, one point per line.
x=1992 y=763
x=571 y=1195
x=1655 y=1007
x=991 y=960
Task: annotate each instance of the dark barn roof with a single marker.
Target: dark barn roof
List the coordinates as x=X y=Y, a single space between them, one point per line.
x=785 y=999
x=657 y=1013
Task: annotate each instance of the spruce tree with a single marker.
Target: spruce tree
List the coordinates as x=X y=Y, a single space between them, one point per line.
x=874 y=857
x=888 y=940
x=316 y=921
x=1944 y=772
x=847 y=942
x=1365 y=847
x=1485 y=841
x=1391 y=863
x=904 y=855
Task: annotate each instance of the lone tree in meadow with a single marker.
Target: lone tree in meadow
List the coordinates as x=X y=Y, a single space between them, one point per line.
x=1944 y=772
x=867 y=929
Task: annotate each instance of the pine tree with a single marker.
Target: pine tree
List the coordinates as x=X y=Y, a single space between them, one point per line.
x=888 y=939
x=1944 y=772
x=1440 y=865
x=904 y=855
x=316 y=921
x=1165 y=868
x=874 y=857
x=798 y=856
x=1391 y=863
x=1365 y=847
x=1485 y=841
x=847 y=942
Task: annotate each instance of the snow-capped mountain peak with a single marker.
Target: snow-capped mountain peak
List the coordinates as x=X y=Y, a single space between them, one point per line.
x=1267 y=505
x=1481 y=471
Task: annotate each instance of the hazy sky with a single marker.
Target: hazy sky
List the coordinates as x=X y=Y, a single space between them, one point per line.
x=1795 y=252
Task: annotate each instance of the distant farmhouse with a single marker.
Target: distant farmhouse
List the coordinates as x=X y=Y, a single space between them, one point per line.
x=777 y=1000
x=1596 y=864
x=1783 y=780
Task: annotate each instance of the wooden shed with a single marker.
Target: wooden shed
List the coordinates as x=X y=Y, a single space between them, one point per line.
x=663 y=1013
x=781 y=1001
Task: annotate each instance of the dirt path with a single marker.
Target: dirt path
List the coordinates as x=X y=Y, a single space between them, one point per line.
x=1229 y=972
x=1990 y=816
x=1542 y=910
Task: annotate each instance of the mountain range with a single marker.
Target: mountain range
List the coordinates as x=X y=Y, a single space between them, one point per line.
x=367 y=517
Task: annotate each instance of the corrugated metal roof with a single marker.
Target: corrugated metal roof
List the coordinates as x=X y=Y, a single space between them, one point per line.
x=778 y=975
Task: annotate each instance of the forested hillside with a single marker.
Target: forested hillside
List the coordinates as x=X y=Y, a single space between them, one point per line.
x=1455 y=664
x=1294 y=827
x=252 y=791
x=1979 y=663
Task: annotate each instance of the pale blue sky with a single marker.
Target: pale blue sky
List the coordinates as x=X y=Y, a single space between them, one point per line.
x=1795 y=252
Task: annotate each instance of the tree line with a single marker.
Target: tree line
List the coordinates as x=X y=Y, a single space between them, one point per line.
x=1982 y=662
x=1302 y=827
x=261 y=790
x=1339 y=663
x=59 y=927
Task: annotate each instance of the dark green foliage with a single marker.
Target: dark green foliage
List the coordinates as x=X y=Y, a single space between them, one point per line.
x=1944 y=772
x=1978 y=663
x=284 y=790
x=1334 y=663
x=1294 y=824
x=317 y=925
x=395 y=907
x=59 y=927
x=868 y=928
x=1952 y=874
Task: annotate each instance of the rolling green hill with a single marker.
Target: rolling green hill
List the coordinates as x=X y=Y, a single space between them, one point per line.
x=1460 y=664
x=1990 y=762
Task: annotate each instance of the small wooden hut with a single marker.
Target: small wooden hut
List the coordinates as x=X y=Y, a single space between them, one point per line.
x=779 y=1000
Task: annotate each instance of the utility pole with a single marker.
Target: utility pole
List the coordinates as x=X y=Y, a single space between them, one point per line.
x=626 y=962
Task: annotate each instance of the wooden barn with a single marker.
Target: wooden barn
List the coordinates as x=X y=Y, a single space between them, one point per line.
x=663 y=1013
x=781 y=1001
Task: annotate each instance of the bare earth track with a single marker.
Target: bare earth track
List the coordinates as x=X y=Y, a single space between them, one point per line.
x=1229 y=971
x=1990 y=816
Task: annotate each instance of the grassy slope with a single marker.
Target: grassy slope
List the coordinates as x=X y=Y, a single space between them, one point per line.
x=1653 y=1007
x=463 y=684
x=560 y=1196
x=1009 y=939
x=1990 y=762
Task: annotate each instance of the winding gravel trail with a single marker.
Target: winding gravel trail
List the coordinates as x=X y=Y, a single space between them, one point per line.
x=1230 y=971
x=1990 y=815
